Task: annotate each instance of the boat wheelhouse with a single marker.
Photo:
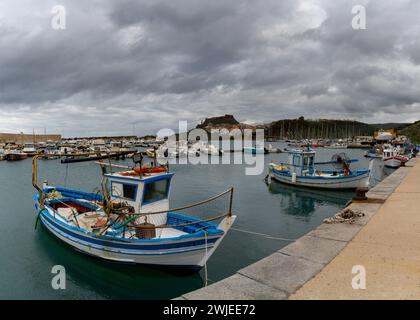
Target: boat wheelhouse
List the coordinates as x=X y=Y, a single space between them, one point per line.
x=131 y=221
x=29 y=149
x=301 y=170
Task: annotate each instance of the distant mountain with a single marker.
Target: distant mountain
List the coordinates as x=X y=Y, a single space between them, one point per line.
x=412 y=131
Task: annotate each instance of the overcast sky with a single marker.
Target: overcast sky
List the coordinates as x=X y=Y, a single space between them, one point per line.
x=142 y=65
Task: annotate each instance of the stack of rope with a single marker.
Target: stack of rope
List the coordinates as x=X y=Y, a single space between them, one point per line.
x=347 y=215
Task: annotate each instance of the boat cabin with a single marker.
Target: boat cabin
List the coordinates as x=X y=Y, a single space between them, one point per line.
x=145 y=193
x=301 y=162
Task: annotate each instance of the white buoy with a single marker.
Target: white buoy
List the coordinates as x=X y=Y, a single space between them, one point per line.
x=294 y=177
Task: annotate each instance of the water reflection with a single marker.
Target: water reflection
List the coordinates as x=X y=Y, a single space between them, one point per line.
x=113 y=280
x=303 y=202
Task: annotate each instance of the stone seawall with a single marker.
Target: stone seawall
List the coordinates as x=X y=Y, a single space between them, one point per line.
x=283 y=273
x=28 y=138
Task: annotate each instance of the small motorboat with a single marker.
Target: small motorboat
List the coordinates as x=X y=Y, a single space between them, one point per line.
x=373 y=154
x=30 y=149
x=271 y=149
x=16 y=155
x=130 y=221
x=301 y=170
x=338 y=145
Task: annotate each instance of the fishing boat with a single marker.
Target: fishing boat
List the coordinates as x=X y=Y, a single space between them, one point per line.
x=130 y=221
x=392 y=158
x=301 y=170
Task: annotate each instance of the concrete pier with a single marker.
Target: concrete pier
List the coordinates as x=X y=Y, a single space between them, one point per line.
x=386 y=242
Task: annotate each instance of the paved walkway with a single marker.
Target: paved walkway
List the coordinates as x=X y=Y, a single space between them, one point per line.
x=388 y=247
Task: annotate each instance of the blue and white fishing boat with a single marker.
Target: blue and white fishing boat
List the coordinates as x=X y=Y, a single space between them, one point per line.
x=130 y=220
x=301 y=170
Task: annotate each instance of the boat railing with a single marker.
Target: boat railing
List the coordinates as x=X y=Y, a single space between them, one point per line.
x=134 y=216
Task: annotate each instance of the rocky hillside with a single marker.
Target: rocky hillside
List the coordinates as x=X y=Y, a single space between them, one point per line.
x=227 y=121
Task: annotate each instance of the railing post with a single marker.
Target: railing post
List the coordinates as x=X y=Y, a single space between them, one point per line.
x=35 y=181
x=230 y=202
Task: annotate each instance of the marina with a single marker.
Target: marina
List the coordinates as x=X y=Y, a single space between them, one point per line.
x=292 y=212
x=195 y=157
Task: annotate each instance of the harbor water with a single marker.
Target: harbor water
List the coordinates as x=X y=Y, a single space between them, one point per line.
x=28 y=255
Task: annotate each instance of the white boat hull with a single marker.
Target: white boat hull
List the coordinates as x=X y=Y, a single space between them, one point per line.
x=392 y=163
x=324 y=183
x=177 y=253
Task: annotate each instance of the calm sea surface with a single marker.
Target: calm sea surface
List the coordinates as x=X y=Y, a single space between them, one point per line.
x=28 y=255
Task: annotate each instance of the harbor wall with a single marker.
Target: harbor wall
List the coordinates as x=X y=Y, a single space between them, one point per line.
x=280 y=275
x=19 y=138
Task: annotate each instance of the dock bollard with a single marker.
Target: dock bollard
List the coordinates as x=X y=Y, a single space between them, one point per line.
x=361 y=194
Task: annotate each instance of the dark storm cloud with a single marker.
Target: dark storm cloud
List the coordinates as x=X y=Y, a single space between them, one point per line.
x=152 y=63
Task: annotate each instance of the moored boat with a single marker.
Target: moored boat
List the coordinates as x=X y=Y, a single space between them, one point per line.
x=302 y=171
x=255 y=150
x=392 y=157
x=373 y=154
x=16 y=155
x=130 y=220
x=29 y=149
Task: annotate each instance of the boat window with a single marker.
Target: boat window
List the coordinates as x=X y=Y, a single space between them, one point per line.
x=296 y=161
x=305 y=162
x=129 y=191
x=155 y=191
x=124 y=190
x=310 y=161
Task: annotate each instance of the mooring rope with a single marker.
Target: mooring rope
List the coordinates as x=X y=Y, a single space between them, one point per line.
x=263 y=235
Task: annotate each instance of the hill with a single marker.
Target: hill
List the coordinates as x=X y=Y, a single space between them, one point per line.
x=322 y=128
x=412 y=131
